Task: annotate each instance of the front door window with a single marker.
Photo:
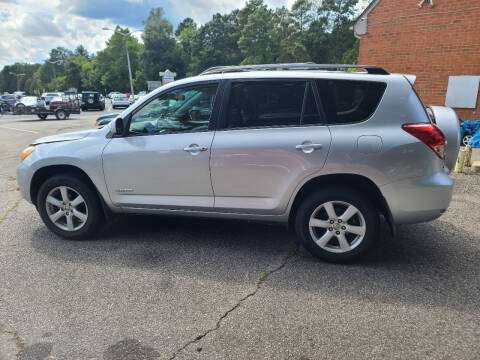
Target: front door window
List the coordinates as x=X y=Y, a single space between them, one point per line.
x=178 y=111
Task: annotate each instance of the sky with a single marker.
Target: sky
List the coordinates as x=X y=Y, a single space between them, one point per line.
x=30 y=28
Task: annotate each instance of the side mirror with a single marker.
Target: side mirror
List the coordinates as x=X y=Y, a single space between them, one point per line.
x=119 y=127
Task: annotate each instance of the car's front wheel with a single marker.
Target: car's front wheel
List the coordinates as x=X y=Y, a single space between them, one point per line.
x=337 y=224
x=69 y=207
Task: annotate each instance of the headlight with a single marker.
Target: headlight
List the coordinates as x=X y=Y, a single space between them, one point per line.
x=27 y=152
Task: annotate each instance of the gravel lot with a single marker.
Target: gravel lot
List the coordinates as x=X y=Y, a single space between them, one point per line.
x=165 y=288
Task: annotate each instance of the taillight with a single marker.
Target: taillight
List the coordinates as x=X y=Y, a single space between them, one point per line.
x=430 y=135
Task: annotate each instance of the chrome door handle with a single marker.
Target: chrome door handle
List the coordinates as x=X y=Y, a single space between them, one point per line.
x=195 y=148
x=308 y=146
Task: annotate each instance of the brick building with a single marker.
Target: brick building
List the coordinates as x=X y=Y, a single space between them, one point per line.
x=436 y=40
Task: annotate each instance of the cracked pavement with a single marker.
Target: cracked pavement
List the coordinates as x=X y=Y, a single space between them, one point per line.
x=167 y=288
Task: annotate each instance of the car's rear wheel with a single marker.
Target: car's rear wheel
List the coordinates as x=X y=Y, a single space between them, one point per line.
x=42 y=116
x=69 y=207
x=337 y=224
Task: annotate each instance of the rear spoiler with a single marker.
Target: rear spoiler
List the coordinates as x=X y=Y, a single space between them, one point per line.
x=410 y=78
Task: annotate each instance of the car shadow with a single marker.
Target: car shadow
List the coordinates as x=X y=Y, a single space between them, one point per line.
x=423 y=264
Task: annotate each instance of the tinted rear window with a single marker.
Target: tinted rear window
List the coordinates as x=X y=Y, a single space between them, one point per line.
x=265 y=103
x=349 y=101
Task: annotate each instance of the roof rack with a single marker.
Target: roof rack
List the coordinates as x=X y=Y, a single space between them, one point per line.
x=375 y=70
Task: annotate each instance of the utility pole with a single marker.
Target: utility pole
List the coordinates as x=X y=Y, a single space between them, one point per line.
x=55 y=71
x=125 y=37
x=129 y=67
x=18 y=79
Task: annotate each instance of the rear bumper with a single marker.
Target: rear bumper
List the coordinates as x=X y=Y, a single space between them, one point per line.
x=420 y=199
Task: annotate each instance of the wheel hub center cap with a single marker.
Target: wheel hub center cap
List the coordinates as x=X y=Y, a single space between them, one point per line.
x=336 y=226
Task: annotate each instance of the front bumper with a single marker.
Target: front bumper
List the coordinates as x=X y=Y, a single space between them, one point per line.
x=420 y=199
x=23 y=180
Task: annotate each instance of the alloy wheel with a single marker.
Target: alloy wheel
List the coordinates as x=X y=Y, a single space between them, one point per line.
x=337 y=226
x=66 y=208
x=466 y=140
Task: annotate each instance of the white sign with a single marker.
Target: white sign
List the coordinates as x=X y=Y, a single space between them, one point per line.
x=462 y=92
x=167 y=76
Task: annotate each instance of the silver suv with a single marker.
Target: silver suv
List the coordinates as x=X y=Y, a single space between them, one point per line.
x=319 y=147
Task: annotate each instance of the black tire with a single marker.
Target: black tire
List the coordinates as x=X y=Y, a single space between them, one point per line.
x=42 y=116
x=339 y=194
x=61 y=114
x=19 y=109
x=95 y=214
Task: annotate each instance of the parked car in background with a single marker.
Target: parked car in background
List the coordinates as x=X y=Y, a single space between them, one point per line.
x=112 y=94
x=120 y=100
x=105 y=119
x=28 y=104
x=92 y=100
x=48 y=96
x=4 y=106
x=11 y=100
x=327 y=152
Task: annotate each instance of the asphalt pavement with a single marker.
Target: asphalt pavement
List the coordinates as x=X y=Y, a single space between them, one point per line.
x=167 y=288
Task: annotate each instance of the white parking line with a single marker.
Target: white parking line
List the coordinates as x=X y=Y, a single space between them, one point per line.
x=11 y=128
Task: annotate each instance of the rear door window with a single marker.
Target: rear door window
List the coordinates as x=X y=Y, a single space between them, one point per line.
x=254 y=104
x=349 y=101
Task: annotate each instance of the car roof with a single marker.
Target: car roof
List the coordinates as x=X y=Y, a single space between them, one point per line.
x=287 y=74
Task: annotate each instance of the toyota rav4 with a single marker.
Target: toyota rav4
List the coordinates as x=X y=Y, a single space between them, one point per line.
x=324 y=149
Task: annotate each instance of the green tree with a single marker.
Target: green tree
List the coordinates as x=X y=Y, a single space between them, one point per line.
x=257 y=37
x=80 y=50
x=215 y=43
x=187 y=23
x=111 y=63
x=91 y=77
x=8 y=82
x=301 y=15
x=331 y=36
x=73 y=72
x=159 y=42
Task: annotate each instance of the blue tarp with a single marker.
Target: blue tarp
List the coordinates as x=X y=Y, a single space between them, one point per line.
x=475 y=142
x=471 y=127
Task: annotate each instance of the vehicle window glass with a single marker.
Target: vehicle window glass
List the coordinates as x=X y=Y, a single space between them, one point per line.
x=180 y=110
x=311 y=115
x=349 y=101
x=265 y=103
